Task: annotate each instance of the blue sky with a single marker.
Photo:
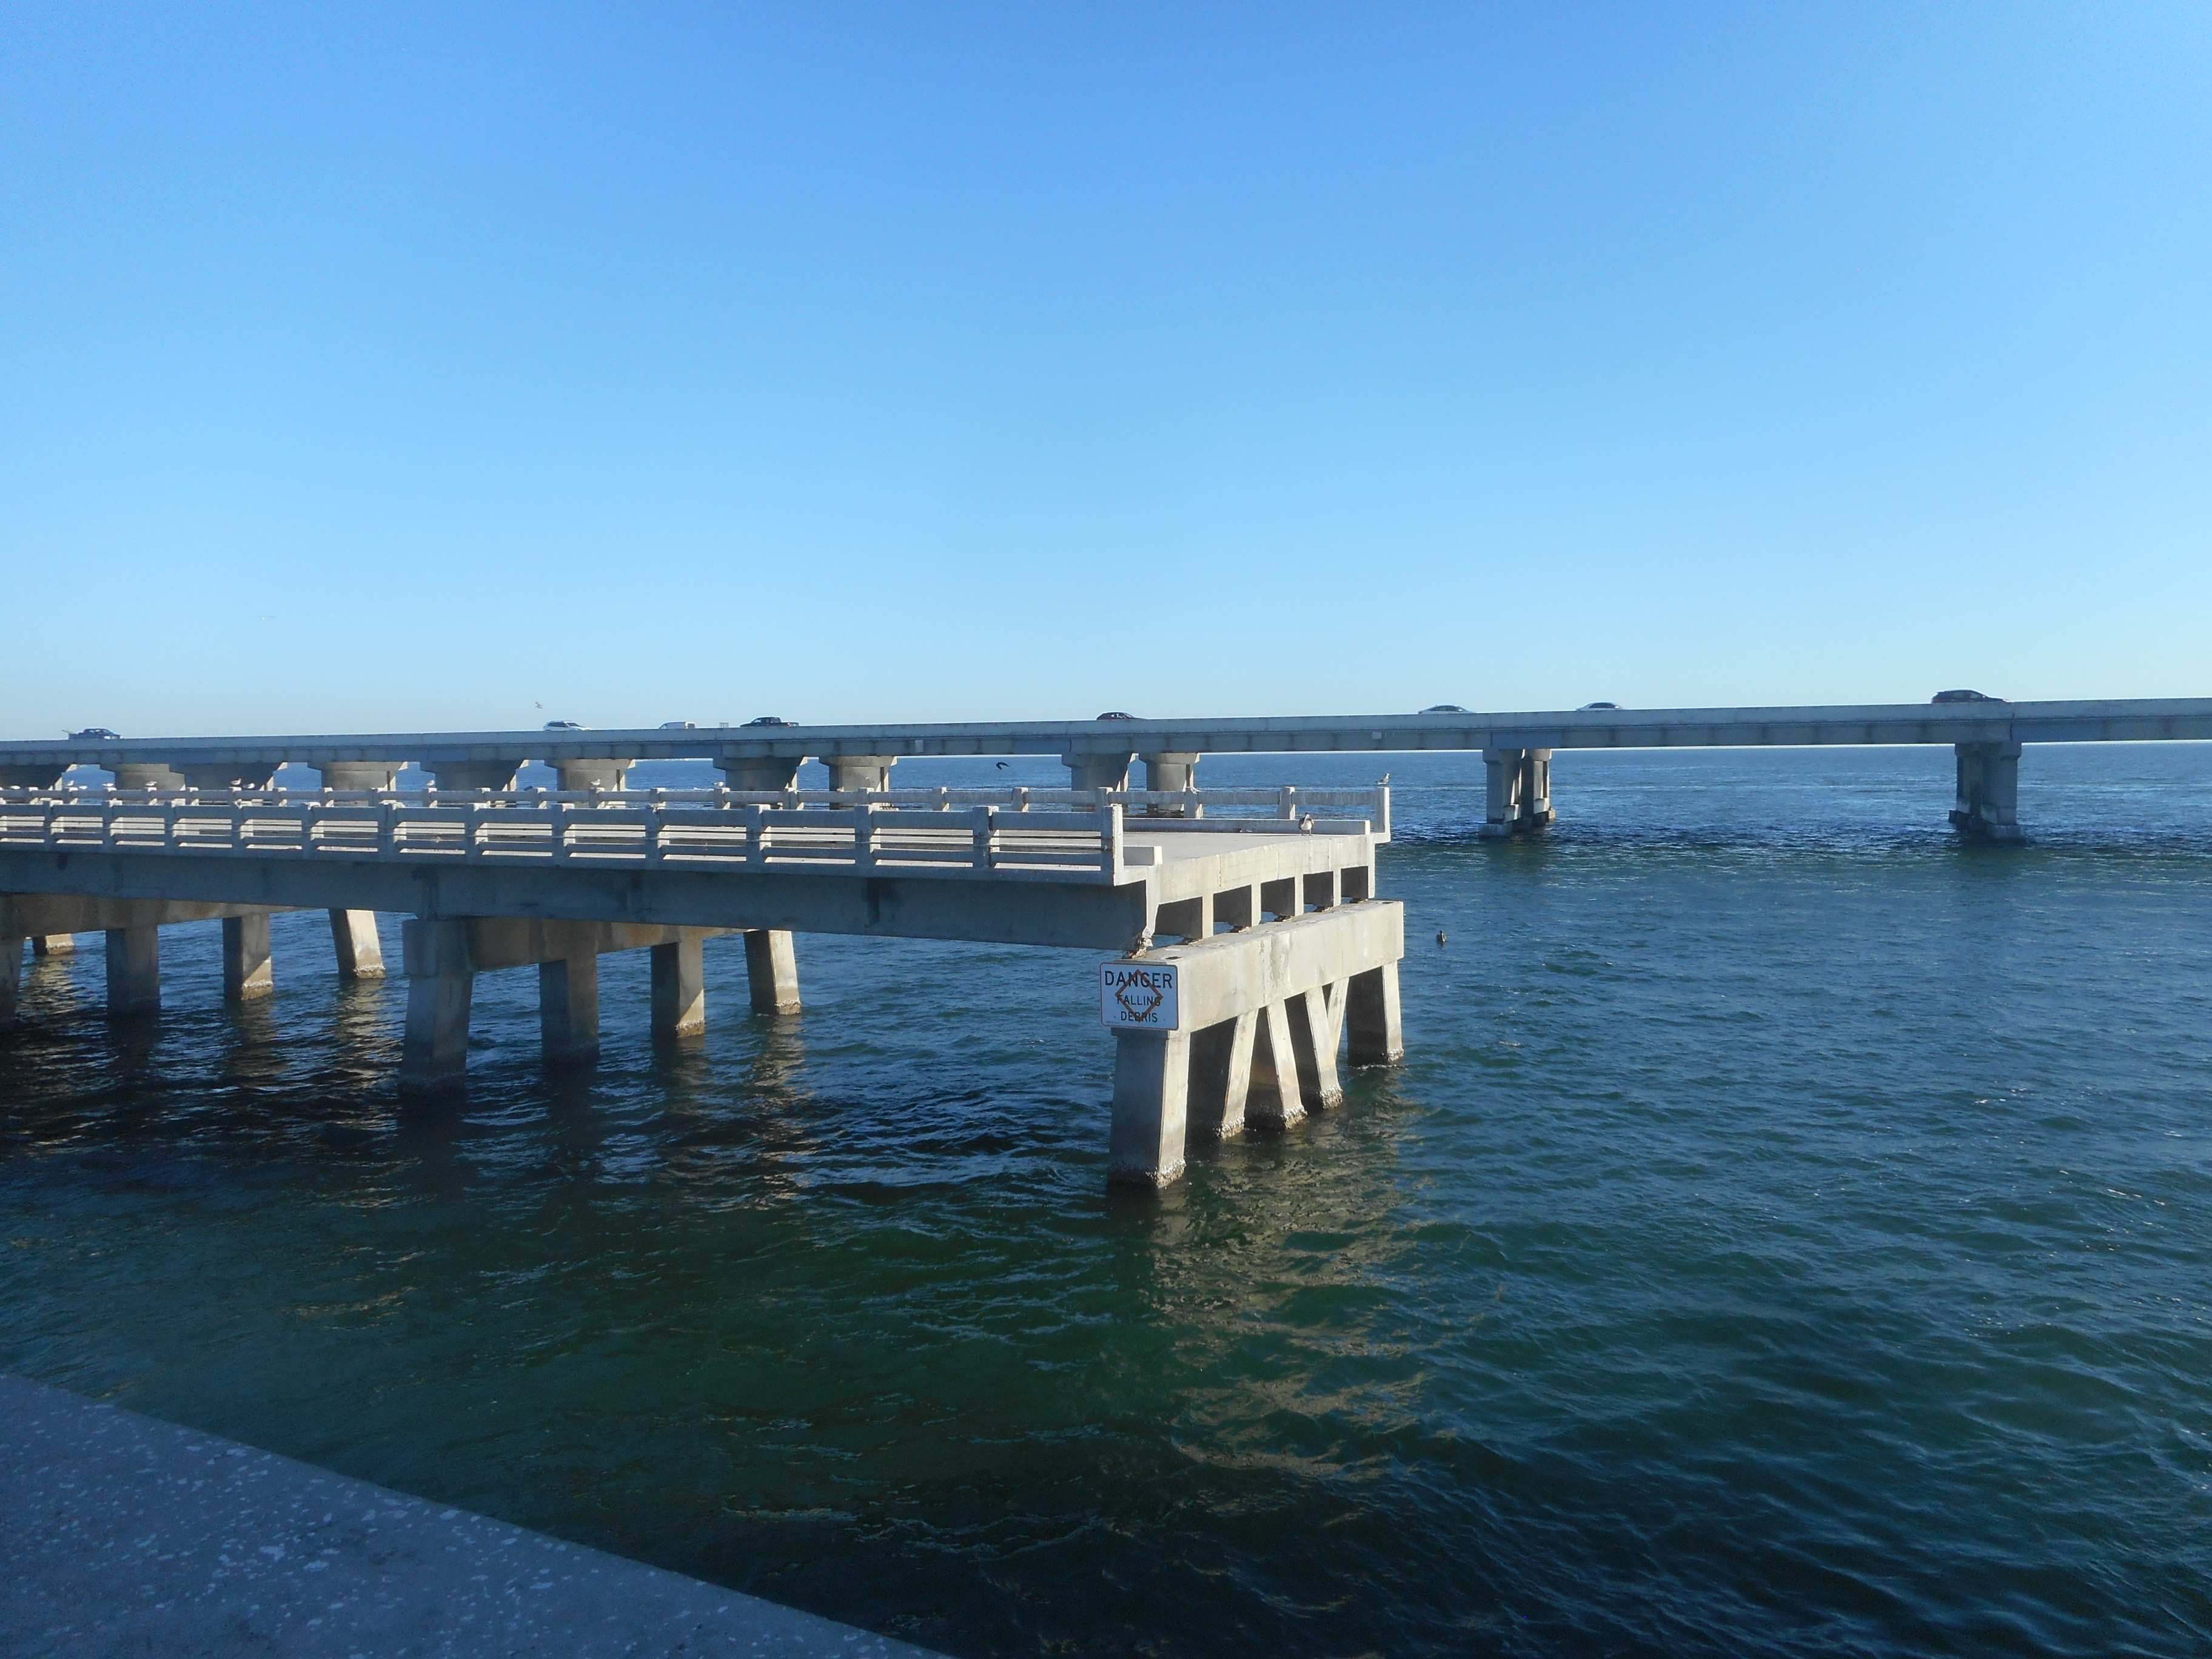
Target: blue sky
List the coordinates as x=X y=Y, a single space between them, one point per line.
x=378 y=367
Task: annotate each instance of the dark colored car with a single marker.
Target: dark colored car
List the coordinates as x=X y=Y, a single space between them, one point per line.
x=1963 y=696
x=1443 y=708
x=562 y=726
x=768 y=720
x=1587 y=707
x=95 y=732
x=1117 y=714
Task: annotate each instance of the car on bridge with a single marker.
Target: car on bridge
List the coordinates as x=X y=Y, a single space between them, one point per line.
x=1963 y=696
x=95 y=733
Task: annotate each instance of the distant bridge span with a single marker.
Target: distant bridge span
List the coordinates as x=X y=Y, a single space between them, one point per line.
x=1516 y=747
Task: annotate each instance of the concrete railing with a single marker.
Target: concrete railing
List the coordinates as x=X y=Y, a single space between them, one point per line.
x=1060 y=834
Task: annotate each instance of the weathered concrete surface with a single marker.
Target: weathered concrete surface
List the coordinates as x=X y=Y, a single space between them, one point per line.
x=124 y=1535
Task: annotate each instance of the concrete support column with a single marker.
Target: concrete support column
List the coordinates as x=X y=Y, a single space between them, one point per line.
x=42 y=776
x=579 y=775
x=134 y=971
x=230 y=775
x=1274 y=1099
x=1221 y=1075
x=856 y=772
x=1237 y=908
x=1313 y=1036
x=247 y=973
x=11 y=980
x=568 y=1009
x=1372 y=1018
x=1097 y=771
x=1151 y=1085
x=358 y=775
x=772 y=972
x=1519 y=794
x=441 y=984
x=1988 y=807
x=762 y=772
x=140 y=775
x=360 y=952
x=679 y=985
x=53 y=945
x=1173 y=770
x=495 y=776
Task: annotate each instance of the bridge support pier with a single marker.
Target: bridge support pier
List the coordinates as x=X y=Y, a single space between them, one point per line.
x=771 y=971
x=358 y=775
x=498 y=776
x=568 y=1009
x=579 y=775
x=1988 y=806
x=441 y=985
x=1097 y=771
x=53 y=945
x=761 y=772
x=11 y=981
x=679 y=985
x=858 y=771
x=134 y=971
x=1151 y=1103
x=247 y=972
x=354 y=938
x=1519 y=795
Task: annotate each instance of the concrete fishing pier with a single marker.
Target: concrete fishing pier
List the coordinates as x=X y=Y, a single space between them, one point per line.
x=1252 y=945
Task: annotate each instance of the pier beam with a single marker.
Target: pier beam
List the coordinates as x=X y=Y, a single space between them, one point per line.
x=441 y=984
x=247 y=973
x=134 y=971
x=679 y=985
x=568 y=1009
x=1988 y=806
x=1519 y=793
x=11 y=980
x=772 y=971
x=1372 y=1018
x=1097 y=771
x=360 y=951
x=1152 y=1092
x=858 y=771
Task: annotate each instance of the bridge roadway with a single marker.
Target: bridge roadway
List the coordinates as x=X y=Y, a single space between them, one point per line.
x=1516 y=748
x=1251 y=945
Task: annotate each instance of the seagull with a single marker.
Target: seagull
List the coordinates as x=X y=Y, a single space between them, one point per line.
x=1002 y=766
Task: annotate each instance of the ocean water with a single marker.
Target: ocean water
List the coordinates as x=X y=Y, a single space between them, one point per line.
x=1790 y=1232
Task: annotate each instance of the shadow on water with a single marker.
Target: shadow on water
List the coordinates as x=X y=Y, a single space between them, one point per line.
x=1790 y=1232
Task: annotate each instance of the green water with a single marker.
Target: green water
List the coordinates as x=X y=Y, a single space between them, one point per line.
x=1790 y=1232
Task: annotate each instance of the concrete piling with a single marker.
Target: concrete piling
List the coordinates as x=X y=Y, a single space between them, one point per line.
x=568 y=1009
x=1377 y=1029
x=134 y=971
x=247 y=972
x=53 y=945
x=441 y=985
x=11 y=980
x=1518 y=793
x=360 y=951
x=679 y=985
x=1152 y=1085
x=772 y=972
x=1988 y=805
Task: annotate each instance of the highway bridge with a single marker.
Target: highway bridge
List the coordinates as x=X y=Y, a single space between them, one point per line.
x=1987 y=734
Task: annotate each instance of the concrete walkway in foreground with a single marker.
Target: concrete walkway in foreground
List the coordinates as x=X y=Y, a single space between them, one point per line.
x=120 y=1535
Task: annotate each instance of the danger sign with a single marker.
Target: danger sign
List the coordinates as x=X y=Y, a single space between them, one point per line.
x=1138 y=996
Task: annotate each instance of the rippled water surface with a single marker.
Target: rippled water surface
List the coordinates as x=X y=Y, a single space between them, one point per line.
x=1790 y=1231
